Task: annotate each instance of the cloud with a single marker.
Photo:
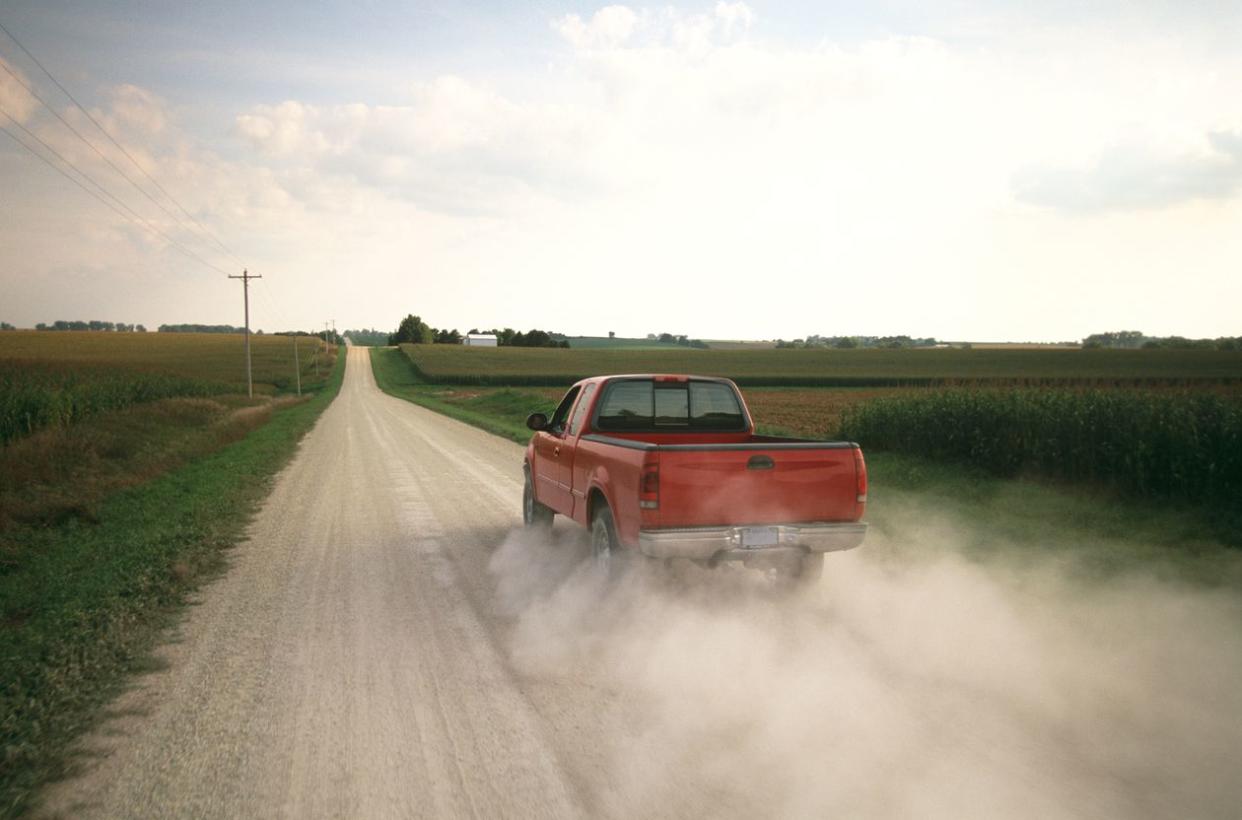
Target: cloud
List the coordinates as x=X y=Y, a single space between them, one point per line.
x=14 y=99
x=614 y=27
x=609 y=27
x=1131 y=176
x=458 y=147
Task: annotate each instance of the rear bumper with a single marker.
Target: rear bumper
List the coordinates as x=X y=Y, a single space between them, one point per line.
x=725 y=543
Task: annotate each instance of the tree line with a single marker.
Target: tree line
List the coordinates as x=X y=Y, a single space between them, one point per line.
x=676 y=339
x=94 y=324
x=853 y=342
x=1137 y=340
x=413 y=330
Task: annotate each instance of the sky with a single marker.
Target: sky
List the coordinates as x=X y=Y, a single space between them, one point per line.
x=968 y=170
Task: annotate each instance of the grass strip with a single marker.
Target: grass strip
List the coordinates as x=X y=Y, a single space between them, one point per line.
x=88 y=602
x=502 y=413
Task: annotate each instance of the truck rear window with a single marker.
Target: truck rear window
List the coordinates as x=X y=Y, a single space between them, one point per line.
x=638 y=405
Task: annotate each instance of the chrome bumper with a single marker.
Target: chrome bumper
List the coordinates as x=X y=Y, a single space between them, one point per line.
x=725 y=543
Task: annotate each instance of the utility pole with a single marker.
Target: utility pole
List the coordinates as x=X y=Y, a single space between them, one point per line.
x=246 y=277
x=297 y=366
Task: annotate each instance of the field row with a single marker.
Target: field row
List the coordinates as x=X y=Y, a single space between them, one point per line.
x=453 y=364
x=58 y=379
x=208 y=357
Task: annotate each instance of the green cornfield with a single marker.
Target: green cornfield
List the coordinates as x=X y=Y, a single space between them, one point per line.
x=57 y=379
x=518 y=366
x=34 y=395
x=1171 y=444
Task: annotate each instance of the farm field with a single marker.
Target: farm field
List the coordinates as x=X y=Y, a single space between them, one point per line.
x=59 y=378
x=812 y=412
x=207 y=357
x=453 y=364
x=616 y=343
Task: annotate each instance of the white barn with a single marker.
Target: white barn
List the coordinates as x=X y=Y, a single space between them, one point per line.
x=480 y=340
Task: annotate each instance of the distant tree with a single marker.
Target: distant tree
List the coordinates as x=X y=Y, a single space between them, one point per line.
x=412 y=330
x=447 y=337
x=367 y=337
x=200 y=329
x=6 y=326
x=140 y=328
x=667 y=338
x=1124 y=339
x=845 y=343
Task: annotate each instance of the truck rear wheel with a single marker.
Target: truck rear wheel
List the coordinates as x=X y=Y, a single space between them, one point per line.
x=605 y=551
x=535 y=516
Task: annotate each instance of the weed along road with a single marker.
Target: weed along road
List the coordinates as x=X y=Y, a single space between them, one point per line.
x=389 y=642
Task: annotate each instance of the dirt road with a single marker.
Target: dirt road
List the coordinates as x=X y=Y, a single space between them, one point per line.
x=387 y=644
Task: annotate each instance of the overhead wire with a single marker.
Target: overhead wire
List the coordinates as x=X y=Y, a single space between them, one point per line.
x=132 y=216
x=202 y=228
x=89 y=144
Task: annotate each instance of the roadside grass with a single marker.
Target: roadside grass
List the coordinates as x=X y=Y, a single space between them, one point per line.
x=140 y=507
x=501 y=411
x=1092 y=530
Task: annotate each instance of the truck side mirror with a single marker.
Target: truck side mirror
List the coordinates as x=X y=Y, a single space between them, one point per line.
x=537 y=421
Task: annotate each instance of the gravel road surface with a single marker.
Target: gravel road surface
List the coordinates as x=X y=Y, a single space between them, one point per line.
x=388 y=643
x=348 y=663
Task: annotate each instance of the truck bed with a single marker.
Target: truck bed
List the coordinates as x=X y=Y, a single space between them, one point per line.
x=744 y=480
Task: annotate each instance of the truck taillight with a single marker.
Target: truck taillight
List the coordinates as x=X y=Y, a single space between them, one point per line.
x=860 y=477
x=649 y=486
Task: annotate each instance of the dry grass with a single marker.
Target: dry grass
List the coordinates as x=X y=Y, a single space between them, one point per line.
x=63 y=473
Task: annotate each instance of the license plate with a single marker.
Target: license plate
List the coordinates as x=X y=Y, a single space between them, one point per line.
x=760 y=537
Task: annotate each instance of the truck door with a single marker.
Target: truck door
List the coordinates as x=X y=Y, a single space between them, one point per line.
x=551 y=486
x=570 y=477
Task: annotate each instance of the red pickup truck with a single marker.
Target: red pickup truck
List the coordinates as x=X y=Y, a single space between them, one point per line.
x=670 y=466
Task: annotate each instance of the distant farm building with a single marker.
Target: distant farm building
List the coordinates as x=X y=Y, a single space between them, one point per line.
x=480 y=340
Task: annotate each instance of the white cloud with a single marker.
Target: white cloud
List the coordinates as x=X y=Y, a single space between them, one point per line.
x=609 y=27
x=1138 y=175
x=734 y=17
x=14 y=99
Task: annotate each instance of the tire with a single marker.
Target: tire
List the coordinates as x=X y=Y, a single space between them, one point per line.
x=535 y=516
x=607 y=555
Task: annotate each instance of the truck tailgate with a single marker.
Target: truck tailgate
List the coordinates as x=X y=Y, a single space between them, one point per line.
x=738 y=484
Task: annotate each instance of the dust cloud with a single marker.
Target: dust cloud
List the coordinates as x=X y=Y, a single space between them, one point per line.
x=911 y=682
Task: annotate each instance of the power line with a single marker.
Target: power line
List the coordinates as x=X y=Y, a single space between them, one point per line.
x=135 y=218
x=91 y=145
x=80 y=172
x=120 y=147
x=60 y=170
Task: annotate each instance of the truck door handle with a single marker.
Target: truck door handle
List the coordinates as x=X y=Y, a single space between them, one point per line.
x=760 y=463
x=556 y=452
